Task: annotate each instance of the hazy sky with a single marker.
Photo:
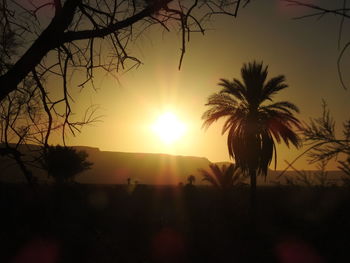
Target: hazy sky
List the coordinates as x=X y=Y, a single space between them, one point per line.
x=305 y=51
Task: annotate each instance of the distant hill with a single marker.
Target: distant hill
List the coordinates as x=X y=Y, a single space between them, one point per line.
x=146 y=168
x=116 y=167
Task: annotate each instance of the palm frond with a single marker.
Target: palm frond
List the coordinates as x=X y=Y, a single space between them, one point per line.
x=224 y=177
x=273 y=86
x=254 y=76
x=222 y=105
x=266 y=152
x=213 y=115
x=221 y=99
x=282 y=130
x=284 y=106
x=234 y=120
x=235 y=88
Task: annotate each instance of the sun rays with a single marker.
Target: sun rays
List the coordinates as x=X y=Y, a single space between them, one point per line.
x=169 y=128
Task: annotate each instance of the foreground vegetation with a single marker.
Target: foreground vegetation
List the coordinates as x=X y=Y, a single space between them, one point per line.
x=115 y=223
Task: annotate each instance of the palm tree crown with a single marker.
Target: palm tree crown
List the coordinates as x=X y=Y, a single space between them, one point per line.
x=224 y=177
x=252 y=125
x=191 y=179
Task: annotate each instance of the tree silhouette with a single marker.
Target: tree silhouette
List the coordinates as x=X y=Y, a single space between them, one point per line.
x=76 y=38
x=191 y=179
x=64 y=163
x=74 y=32
x=345 y=167
x=253 y=126
x=224 y=177
x=324 y=143
x=332 y=8
x=318 y=178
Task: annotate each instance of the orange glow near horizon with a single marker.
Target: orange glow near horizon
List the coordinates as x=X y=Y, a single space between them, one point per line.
x=133 y=103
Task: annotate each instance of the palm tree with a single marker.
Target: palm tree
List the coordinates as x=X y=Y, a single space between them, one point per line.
x=191 y=179
x=252 y=125
x=224 y=177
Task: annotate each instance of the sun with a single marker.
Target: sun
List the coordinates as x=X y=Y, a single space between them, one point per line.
x=169 y=128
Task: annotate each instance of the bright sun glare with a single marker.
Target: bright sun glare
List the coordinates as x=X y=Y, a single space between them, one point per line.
x=169 y=128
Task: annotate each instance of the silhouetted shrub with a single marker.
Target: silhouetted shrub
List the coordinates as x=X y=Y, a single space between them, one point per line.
x=64 y=163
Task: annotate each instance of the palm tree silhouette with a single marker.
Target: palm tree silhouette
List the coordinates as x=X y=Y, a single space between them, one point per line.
x=224 y=177
x=191 y=179
x=251 y=125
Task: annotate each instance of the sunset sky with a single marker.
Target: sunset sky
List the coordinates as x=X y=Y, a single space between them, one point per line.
x=305 y=51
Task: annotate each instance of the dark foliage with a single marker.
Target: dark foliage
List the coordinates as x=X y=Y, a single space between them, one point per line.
x=224 y=177
x=191 y=179
x=63 y=163
x=251 y=125
x=324 y=144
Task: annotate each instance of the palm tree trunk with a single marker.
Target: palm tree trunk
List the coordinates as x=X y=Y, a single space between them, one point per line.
x=253 y=200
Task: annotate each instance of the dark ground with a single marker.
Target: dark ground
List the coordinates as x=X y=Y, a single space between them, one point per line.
x=90 y=223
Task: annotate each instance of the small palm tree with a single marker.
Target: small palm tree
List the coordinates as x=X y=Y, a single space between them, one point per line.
x=253 y=126
x=191 y=179
x=223 y=178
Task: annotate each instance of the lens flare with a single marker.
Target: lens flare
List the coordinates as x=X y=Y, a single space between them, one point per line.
x=169 y=128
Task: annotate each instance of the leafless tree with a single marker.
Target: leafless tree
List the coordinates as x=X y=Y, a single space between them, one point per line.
x=320 y=133
x=77 y=31
x=336 y=8
x=26 y=123
x=56 y=41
